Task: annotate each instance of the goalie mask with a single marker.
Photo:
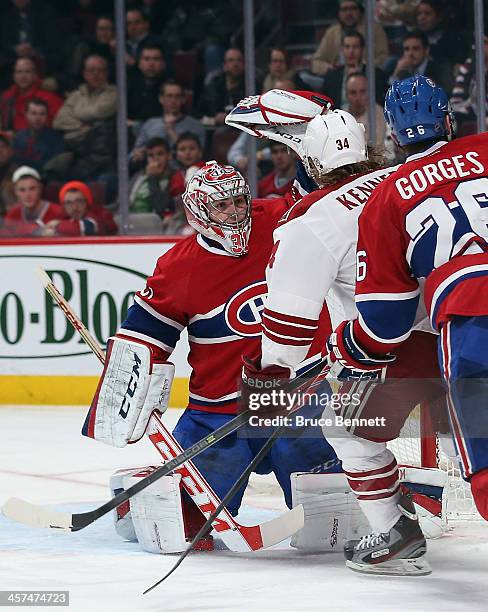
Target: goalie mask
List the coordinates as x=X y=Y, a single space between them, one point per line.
x=218 y=205
x=333 y=140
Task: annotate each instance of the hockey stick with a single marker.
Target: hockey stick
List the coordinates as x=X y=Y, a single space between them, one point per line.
x=227 y=497
x=236 y=537
x=315 y=383
x=255 y=536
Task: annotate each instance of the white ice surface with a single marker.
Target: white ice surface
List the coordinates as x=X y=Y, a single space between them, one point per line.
x=44 y=459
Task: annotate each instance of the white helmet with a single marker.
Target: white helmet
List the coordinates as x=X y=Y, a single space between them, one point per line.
x=212 y=183
x=333 y=140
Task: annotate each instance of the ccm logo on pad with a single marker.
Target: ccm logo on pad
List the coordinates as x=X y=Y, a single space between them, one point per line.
x=131 y=387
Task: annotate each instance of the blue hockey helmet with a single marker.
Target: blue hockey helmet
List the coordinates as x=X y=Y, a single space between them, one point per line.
x=416 y=110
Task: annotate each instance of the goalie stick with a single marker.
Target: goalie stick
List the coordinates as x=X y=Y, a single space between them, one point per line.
x=315 y=383
x=228 y=496
x=236 y=537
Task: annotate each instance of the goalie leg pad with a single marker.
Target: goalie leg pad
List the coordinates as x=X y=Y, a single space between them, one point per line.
x=426 y=486
x=124 y=527
x=157 y=515
x=131 y=387
x=164 y=520
x=332 y=513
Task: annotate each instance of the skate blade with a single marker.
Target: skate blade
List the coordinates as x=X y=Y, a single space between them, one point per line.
x=394 y=567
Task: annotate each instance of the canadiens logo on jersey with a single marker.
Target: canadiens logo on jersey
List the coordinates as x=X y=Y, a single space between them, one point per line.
x=243 y=310
x=240 y=317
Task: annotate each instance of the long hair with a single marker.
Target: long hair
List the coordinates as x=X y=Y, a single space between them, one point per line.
x=375 y=161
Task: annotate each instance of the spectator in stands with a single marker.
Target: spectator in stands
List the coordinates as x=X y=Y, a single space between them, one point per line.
x=446 y=43
x=31 y=213
x=350 y=16
x=7 y=168
x=81 y=216
x=357 y=105
x=87 y=122
x=150 y=189
x=103 y=43
x=464 y=93
x=37 y=144
x=171 y=124
x=188 y=159
x=27 y=85
x=157 y=189
x=224 y=90
x=280 y=181
x=28 y=30
x=143 y=84
x=188 y=153
x=278 y=68
x=416 y=60
x=138 y=34
x=334 y=84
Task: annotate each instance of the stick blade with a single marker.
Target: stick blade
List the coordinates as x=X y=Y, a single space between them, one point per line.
x=282 y=527
x=29 y=514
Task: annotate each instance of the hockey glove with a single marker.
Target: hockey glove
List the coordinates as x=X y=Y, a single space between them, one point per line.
x=132 y=385
x=348 y=361
x=264 y=390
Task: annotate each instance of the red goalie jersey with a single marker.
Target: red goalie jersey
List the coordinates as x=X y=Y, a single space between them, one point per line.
x=219 y=299
x=429 y=220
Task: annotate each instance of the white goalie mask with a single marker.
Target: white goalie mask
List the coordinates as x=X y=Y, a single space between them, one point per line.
x=333 y=140
x=218 y=205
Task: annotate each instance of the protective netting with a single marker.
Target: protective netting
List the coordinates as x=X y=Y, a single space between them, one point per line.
x=420 y=447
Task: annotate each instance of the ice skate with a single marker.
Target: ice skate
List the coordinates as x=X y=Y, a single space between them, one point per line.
x=399 y=552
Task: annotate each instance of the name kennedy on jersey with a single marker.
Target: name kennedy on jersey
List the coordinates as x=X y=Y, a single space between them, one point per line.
x=361 y=192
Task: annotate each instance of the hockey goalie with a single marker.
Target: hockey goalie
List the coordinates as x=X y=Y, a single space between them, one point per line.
x=213 y=284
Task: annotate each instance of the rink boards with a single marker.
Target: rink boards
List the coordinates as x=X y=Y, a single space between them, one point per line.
x=42 y=359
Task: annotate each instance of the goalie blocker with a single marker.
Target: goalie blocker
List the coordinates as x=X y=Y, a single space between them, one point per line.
x=133 y=384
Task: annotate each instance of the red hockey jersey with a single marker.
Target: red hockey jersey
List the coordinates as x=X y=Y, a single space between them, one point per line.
x=218 y=298
x=428 y=220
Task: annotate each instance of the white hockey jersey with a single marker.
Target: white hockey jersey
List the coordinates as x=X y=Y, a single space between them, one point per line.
x=313 y=260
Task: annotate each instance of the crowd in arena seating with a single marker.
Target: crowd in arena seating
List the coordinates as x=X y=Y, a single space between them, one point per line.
x=185 y=71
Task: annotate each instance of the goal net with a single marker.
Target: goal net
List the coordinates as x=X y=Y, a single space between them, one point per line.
x=420 y=445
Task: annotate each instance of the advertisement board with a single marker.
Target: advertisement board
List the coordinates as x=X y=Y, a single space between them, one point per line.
x=42 y=358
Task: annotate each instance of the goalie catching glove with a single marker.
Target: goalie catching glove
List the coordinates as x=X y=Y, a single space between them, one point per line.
x=279 y=115
x=132 y=386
